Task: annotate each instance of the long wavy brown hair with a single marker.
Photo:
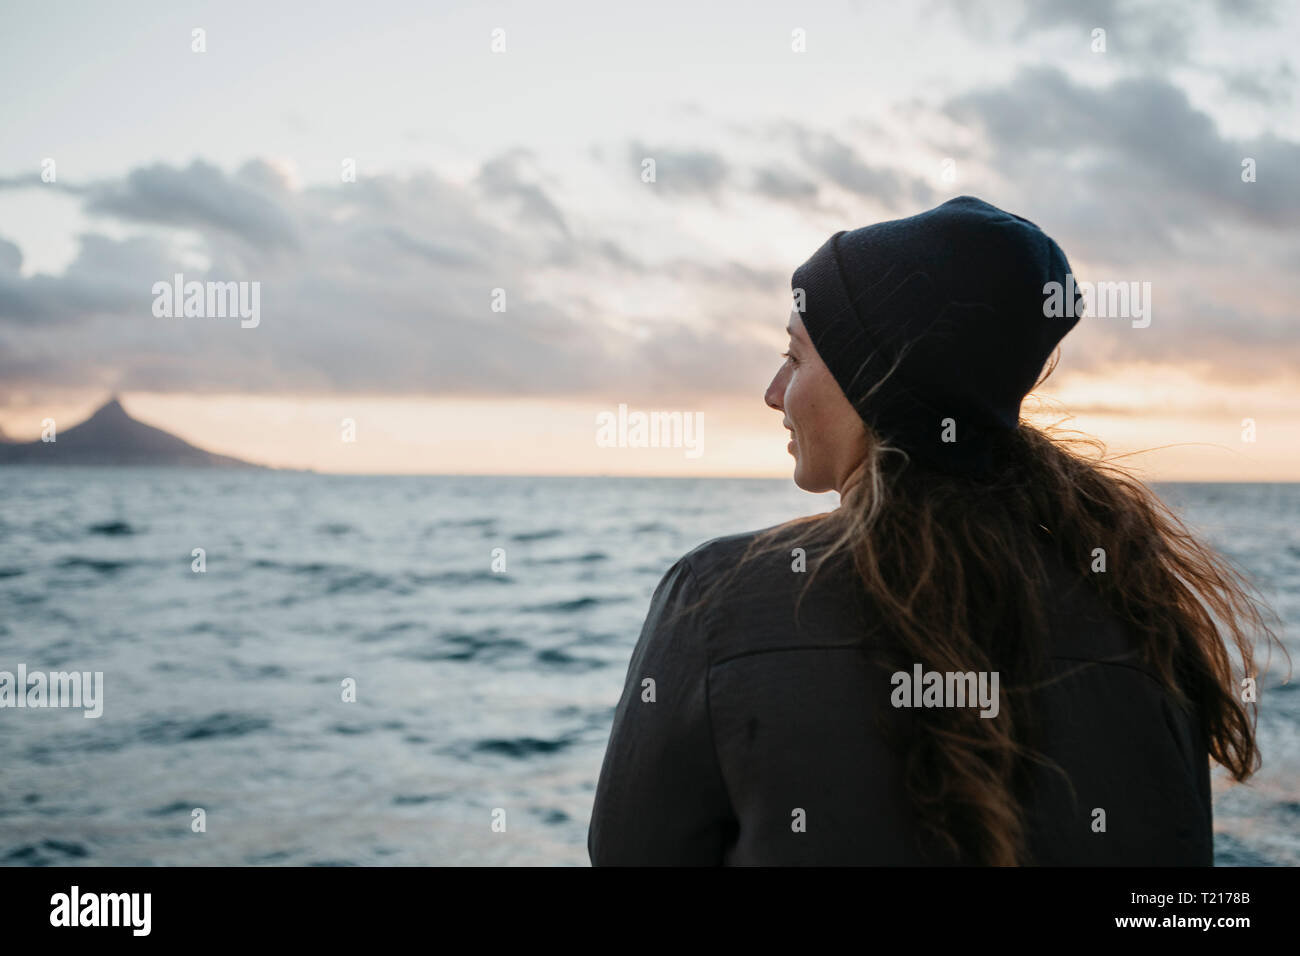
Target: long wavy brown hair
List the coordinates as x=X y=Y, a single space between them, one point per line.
x=957 y=572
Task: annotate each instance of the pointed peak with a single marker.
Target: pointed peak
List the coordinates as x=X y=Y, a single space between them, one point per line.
x=111 y=409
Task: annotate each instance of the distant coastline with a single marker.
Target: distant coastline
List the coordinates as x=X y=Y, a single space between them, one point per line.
x=112 y=437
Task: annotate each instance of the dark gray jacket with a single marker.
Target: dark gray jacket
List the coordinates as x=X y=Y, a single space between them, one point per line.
x=758 y=723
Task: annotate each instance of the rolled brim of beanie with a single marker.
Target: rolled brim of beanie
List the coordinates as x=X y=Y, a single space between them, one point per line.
x=921 y=419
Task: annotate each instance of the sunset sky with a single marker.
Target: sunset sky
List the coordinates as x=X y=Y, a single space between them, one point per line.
x=521 y=170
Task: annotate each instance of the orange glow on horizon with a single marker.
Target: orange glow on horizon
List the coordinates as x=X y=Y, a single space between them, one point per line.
x=1200 y=427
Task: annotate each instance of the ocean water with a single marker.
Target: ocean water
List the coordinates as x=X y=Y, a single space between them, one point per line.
x=475 y=691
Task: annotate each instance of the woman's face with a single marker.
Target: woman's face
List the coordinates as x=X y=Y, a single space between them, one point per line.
x=829 y=438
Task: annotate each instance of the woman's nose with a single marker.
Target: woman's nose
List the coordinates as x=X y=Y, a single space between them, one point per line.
x=774 y=394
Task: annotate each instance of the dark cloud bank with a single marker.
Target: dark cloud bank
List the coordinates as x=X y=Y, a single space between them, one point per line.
x=384 y=286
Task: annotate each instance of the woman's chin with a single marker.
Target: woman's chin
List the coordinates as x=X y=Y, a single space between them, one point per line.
x=814 y=484
x=800 y=479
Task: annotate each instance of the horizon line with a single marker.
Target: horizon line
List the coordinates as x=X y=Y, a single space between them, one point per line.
x=459 y=474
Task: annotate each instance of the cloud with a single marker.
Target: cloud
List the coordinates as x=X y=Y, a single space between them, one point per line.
x=1262 y=13
x=383 y=286
x=1267 y=87
x=681 y=173
x=386 y=285
x=1150 y=34
x=250 y=206
x=107 y=278
x=837 y=161
x=1148 y=162
x=11 y=258
x=784 y=185
x=503 y=177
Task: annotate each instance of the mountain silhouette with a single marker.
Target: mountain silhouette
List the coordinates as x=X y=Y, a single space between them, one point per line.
x=112 y=437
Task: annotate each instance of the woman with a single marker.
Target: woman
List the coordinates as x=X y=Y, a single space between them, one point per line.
x=995 y=651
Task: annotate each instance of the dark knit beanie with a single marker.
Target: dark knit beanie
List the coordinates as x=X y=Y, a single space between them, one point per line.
x=955 y=298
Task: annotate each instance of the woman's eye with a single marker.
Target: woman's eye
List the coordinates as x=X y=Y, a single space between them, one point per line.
x=789 y=357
